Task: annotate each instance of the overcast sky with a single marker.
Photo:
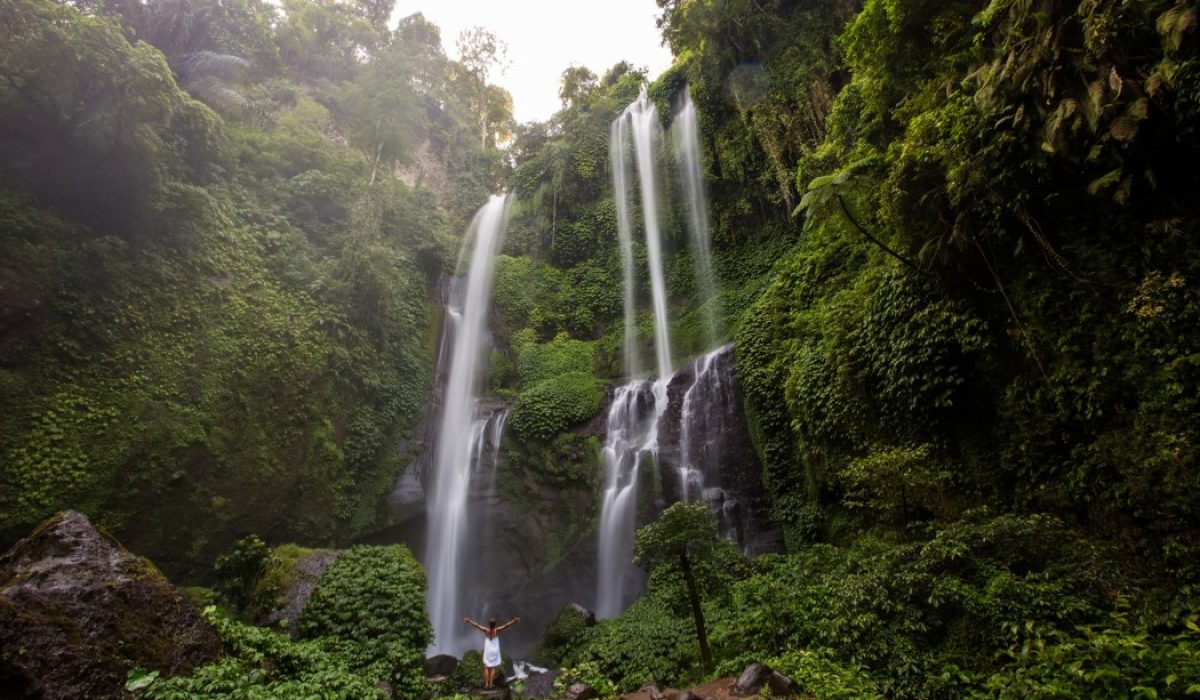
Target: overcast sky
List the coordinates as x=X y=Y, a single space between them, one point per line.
x=546 y=36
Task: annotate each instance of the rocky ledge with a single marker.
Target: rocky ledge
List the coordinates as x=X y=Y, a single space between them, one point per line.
x=78 y=612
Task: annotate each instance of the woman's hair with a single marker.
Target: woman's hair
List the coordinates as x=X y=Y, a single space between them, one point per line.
x=492 y=623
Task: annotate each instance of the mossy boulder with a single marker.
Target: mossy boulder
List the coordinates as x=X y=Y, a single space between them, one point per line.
x=78 y=612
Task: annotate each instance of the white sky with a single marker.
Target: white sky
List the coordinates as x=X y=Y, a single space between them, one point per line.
x=546 y=36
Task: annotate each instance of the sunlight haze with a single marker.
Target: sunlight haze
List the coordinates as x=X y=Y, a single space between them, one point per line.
x=542 y=42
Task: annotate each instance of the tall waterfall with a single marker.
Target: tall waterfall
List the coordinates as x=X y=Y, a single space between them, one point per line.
x=658 y=423
x=685 y=131
x=640 y=123
x=455 y=457
x=632 y=430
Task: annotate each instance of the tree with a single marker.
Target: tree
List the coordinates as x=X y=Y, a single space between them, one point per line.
x=480 y=52
x=576 y=82
x=682 y=534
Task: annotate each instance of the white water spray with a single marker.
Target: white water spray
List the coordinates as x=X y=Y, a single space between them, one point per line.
x=647 y=140
x=685 y=131
x=454 y=455
x=632 y=436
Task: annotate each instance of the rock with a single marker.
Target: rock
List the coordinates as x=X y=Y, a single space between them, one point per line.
x=589 y=617
x=752 y=680
x=78 y=611
x=440 y=665
x=654 y=690
x=540 y=685
x=309 y=571
x=493 y=694
x=781 y=685
x=686 y=695
x=580 y=691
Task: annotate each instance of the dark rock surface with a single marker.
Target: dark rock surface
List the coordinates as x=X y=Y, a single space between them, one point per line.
x=440 y=665
x=540 y=685
x=78 y=611
x=752 y=679
x=719 y=448
x=580 y=691
x=781 y=685
x=309 y=571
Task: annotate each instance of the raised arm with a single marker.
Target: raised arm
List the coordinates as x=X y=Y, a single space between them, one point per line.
x=474 y=624
x=508 y=624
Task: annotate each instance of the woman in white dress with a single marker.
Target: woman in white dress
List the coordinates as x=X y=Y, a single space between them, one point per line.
x=491 y=646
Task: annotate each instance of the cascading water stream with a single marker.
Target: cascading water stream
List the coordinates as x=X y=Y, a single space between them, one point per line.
x=632 y=429
x=632 y=436
x=647 y=137
x=454 y=457
x=708 y=400
x=620 y=169
x=685 y=131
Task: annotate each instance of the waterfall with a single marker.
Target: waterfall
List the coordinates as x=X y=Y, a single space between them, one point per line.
x=640 y=121
x=632 y=428
x=455 y=457
x=620 y=169
x=706 y=405
x=632 y=436
x=685 y=131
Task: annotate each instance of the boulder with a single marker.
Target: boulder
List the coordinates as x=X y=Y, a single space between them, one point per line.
x=309 y=571
x=493 y=694
x=753 y=678
x=687 y=695
x=78 y=611
x=653 y=690
x=580 y=691
x=440 y=665
x=781 y=685
x=540 y=685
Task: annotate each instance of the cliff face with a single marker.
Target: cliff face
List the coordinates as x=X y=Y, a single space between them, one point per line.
x=531 y=531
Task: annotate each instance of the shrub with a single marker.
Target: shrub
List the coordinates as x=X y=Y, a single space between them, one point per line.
x=259 y=664
x=554 y=405
x=646 y=643
x=370 y=608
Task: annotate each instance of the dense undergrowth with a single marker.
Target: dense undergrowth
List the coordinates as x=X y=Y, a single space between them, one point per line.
x=365 y=625
x=215 y=279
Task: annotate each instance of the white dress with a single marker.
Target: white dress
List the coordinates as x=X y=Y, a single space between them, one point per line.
x=491 y=651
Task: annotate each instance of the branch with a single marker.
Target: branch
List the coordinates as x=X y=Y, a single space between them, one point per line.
x=846 y=211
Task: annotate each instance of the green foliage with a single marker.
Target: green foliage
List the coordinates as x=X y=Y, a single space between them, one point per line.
x=558 y=387
x=227 y=299
x=564 y=633
x=258 y=665
x=919 y=619
x=1116 y=659
x=646 y=643
x=239 y=571
x=369 y=608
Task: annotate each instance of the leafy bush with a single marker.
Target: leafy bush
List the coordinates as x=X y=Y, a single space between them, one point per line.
x=259 y=665
x=369 y=608
x=561 y=636
x=552 y=406
x=1114 y=659
x=239 y=572
x=919 y=619
x=646 y=643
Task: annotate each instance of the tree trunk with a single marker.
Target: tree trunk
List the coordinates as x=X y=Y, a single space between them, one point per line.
x=697 y=612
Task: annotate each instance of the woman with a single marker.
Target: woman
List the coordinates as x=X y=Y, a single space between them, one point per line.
x=491 y=646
